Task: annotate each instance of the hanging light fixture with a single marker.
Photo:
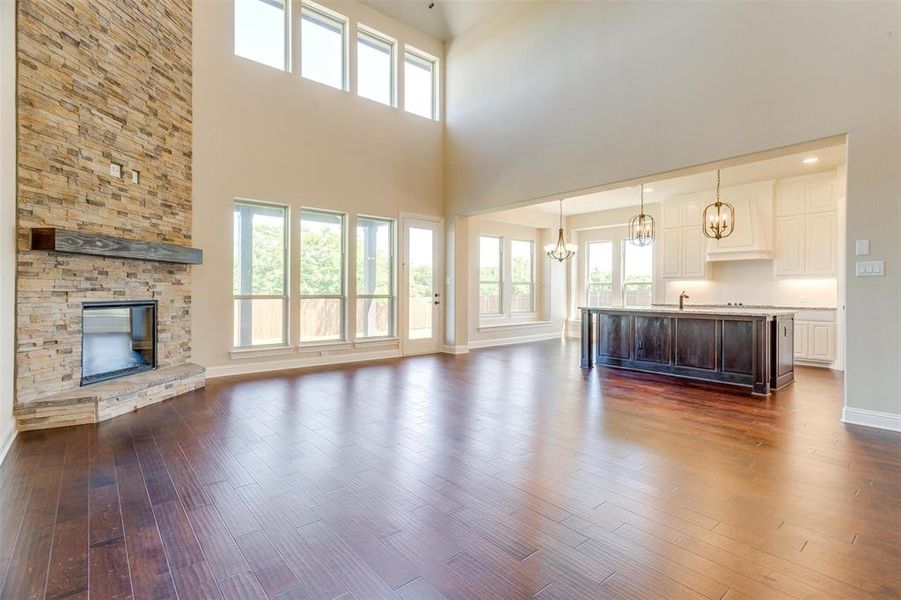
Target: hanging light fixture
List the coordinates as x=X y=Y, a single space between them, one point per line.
x=719 y=217
x=641 y=226
x=561 y=250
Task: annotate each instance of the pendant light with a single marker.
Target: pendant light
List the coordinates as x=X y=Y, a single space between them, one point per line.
x=719 y=217
x=561 y=250
x=641 y=226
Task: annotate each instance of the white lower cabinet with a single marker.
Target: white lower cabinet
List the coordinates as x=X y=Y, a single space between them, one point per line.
x=821 y=346
x=815 y=341
x=801 y=338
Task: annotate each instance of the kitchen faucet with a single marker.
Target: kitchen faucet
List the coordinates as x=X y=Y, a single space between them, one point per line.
x=682 y=297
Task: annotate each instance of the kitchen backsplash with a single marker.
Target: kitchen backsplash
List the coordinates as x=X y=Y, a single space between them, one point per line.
x=752 y=282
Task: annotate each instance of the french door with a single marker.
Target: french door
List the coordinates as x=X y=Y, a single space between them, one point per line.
x=421 y=286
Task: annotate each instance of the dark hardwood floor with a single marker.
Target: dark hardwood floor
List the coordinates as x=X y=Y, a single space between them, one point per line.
x=505 y=473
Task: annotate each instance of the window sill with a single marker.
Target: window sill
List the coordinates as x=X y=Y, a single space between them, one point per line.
x=309 y=347
x=508 y=324
x=376 y=342
x=260 y=351
x=320 y=346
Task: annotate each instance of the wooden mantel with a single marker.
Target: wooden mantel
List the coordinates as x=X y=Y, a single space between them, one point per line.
x=80 y=242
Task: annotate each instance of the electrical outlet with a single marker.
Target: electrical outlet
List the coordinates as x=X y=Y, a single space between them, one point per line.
x=115 y=170
x=135 y=176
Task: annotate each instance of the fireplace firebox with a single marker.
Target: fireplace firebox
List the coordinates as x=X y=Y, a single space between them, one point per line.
x=117 y=339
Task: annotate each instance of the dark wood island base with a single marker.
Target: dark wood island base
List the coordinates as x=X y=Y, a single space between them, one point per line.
x=743 y=347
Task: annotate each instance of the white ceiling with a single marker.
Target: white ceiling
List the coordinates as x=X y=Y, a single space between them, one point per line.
x=774 y=168
x=446 y=20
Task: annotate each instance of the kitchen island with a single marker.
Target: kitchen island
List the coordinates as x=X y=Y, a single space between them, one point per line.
x=751 y=347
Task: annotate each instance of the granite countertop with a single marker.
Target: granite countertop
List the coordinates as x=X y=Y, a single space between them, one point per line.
x=738 y=311
x=763 y=306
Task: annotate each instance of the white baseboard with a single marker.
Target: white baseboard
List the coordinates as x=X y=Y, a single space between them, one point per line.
x=522 y=339
x=6 y=438
x=247 y=368
x=872 y=418
x=448 y=349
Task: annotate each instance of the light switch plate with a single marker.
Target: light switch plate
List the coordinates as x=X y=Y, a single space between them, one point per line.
x=870 y=268
x=862 y=247
x=115 y=170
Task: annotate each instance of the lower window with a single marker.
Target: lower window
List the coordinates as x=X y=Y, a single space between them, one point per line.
x=260 y=251
x=321 y=276
x=638 y=269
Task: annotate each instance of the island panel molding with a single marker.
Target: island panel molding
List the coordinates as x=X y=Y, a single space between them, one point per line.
x=53 y=239
x=752 y=348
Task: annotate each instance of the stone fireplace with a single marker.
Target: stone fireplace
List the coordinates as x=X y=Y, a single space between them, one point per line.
x=103 y=147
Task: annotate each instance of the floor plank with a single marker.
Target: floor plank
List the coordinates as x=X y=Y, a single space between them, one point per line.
x=505 y=473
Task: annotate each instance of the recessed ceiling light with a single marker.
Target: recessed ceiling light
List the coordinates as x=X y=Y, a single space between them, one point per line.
x=811 y=160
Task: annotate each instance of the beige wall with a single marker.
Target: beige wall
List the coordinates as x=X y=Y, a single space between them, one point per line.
x=559 y=97
x=7 y=220
x=268 y=135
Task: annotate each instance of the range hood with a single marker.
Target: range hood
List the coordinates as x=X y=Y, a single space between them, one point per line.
x=753 y=235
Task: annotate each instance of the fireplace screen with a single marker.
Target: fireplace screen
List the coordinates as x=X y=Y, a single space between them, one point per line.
x=118 y=339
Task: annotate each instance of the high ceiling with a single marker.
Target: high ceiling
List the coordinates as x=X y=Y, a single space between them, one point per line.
x=445 y=20
x=784 y=166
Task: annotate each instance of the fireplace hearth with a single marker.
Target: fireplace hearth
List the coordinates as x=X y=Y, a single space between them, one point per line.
x=118 y=339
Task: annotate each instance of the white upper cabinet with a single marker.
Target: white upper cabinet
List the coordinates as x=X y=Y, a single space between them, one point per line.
x=821 y=246
x=807 y=243
x=752 y=238
x=820 y=197
x=694 y=263
x=672 y=253
x=683 y=242
x=790 y=245
x=793 y=222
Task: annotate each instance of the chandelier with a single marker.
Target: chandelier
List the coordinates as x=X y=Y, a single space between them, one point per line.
x=561 y=250
x=641 y=226
x=719 y=217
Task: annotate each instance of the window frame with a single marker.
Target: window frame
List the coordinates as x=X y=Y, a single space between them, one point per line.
x=500 y=277
x=392 y=296
x=423 y=57
x=286 y=273
x=530 y=283
x=342 y=338
x=624 y=285
x=379 y=38
x=326 y=15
